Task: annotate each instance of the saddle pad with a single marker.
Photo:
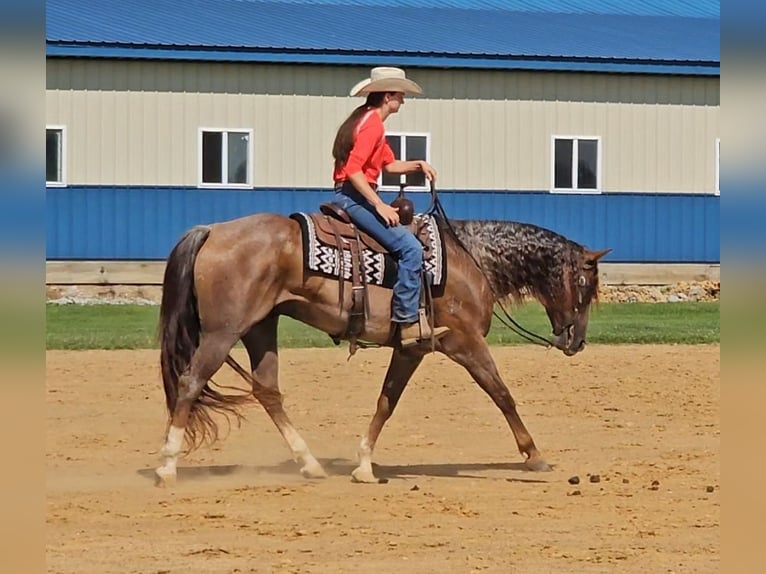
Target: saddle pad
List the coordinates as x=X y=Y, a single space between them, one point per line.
x=379 y=268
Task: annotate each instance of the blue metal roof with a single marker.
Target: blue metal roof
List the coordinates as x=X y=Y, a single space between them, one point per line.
x=446 y=33
x=692 y=8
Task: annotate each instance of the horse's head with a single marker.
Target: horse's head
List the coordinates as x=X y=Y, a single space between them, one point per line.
x=569 y=310
x=522 y=260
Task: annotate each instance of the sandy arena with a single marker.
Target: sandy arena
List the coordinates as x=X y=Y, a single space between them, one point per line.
x=644 y=419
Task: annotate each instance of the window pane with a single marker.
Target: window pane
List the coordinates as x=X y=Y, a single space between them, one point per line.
x=212 y=157
x=238 y=144
x=416 y=149
x=395 y=142
x=563 y=164
x=416 y=179
x=587 y=164
x=53 y=156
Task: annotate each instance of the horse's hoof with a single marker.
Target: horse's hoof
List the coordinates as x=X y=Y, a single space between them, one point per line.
x=537 y=464
x=314 y=470
x=163 y=478
x=363 y=476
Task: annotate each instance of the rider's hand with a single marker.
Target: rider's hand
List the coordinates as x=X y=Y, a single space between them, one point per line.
x=389 y=214
x=428 y=170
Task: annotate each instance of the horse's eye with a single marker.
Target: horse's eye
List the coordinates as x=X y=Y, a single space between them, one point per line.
x=581 y=281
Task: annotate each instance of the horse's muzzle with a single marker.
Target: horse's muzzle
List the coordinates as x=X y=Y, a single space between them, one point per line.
x=568 y=342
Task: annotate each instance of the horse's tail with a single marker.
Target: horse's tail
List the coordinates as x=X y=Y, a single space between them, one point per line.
x=179 y=327
x=179 y=335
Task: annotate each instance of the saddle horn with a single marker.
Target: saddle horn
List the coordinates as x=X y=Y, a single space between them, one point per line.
x=405 y=205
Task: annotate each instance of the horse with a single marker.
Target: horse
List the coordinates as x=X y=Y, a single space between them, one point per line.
x=231 y=281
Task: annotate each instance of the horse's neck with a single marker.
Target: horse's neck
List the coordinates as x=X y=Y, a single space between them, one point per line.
x=517 y=259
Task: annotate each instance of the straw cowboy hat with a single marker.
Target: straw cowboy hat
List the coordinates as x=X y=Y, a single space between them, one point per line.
x=386 y=80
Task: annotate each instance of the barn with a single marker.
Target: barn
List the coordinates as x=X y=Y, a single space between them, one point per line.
x=597 y=119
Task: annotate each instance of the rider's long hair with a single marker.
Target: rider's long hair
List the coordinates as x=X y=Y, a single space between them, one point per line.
x=344 y=139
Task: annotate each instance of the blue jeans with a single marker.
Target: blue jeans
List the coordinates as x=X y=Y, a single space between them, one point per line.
x=402 y=244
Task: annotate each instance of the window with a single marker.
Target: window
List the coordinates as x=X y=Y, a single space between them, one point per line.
x=407 y=147
x=718 y=166
x=576 y=163
x=55 y=156
x=225 y=158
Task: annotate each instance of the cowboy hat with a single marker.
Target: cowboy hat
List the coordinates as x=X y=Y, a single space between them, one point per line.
x=385 y=79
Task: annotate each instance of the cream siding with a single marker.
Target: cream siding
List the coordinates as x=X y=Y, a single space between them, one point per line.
x=137 y=123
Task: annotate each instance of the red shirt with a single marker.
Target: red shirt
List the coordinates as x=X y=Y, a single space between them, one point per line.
x=370 y=152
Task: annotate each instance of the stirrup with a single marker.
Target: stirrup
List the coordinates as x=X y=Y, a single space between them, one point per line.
x=434 y=335
x=420 y=332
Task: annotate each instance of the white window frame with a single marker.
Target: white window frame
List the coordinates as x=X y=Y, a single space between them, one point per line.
x=225 y=158
x=717 y=166
x=402 y=178
x=62 y=158
x=575 y=151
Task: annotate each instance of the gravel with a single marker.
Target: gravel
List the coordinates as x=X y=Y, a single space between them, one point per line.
x=152 y=294
x=676 y=293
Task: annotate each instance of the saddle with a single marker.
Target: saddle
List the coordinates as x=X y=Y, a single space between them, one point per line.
x=334 y=228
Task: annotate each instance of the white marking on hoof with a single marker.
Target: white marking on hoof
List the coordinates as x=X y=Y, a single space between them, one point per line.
x=537 y=464
x=313 y=470
x=174 y=441
x=363 y=476
x=165 y=477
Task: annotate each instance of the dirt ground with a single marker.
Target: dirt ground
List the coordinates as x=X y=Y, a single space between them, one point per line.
x=645 y=419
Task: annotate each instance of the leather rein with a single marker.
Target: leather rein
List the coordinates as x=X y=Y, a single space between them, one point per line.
x=436 y=209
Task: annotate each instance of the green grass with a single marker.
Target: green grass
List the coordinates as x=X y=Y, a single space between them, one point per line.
x=100 y=326
x=134 y=326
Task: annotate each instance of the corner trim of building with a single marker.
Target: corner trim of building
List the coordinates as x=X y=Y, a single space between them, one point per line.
x=150 y=273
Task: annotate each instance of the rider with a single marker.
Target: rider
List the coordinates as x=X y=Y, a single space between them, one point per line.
x=361 y=152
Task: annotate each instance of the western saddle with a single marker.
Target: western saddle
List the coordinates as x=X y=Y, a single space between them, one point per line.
x=334 y=228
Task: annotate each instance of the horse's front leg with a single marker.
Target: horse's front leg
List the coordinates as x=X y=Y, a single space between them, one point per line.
x=472 y=352
x=400 y=370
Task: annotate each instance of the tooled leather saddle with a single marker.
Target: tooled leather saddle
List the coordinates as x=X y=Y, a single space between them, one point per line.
x=334 y=228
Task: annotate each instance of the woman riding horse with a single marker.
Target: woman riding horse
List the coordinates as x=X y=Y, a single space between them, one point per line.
x=361 y=152
x=230 y=282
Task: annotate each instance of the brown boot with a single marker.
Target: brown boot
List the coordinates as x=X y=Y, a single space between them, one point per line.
x=419 y=332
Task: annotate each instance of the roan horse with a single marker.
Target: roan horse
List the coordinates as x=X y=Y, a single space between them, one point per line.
x=231 y=281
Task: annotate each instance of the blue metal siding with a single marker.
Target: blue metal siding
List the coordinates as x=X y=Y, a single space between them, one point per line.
x=145 y=222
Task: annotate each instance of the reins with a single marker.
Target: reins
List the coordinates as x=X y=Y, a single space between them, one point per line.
x=437 y=210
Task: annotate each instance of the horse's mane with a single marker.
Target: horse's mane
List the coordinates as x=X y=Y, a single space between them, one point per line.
x=520 y=259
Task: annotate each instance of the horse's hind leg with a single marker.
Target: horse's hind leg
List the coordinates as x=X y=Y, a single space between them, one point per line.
x=400 y=370
x=261 y=345
x=207 y=359
x=472 y=352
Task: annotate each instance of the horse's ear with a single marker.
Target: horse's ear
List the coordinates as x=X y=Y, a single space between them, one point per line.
x=591 y=257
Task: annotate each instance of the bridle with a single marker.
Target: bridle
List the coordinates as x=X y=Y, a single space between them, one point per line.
x=581 y=283
x=436 y=209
